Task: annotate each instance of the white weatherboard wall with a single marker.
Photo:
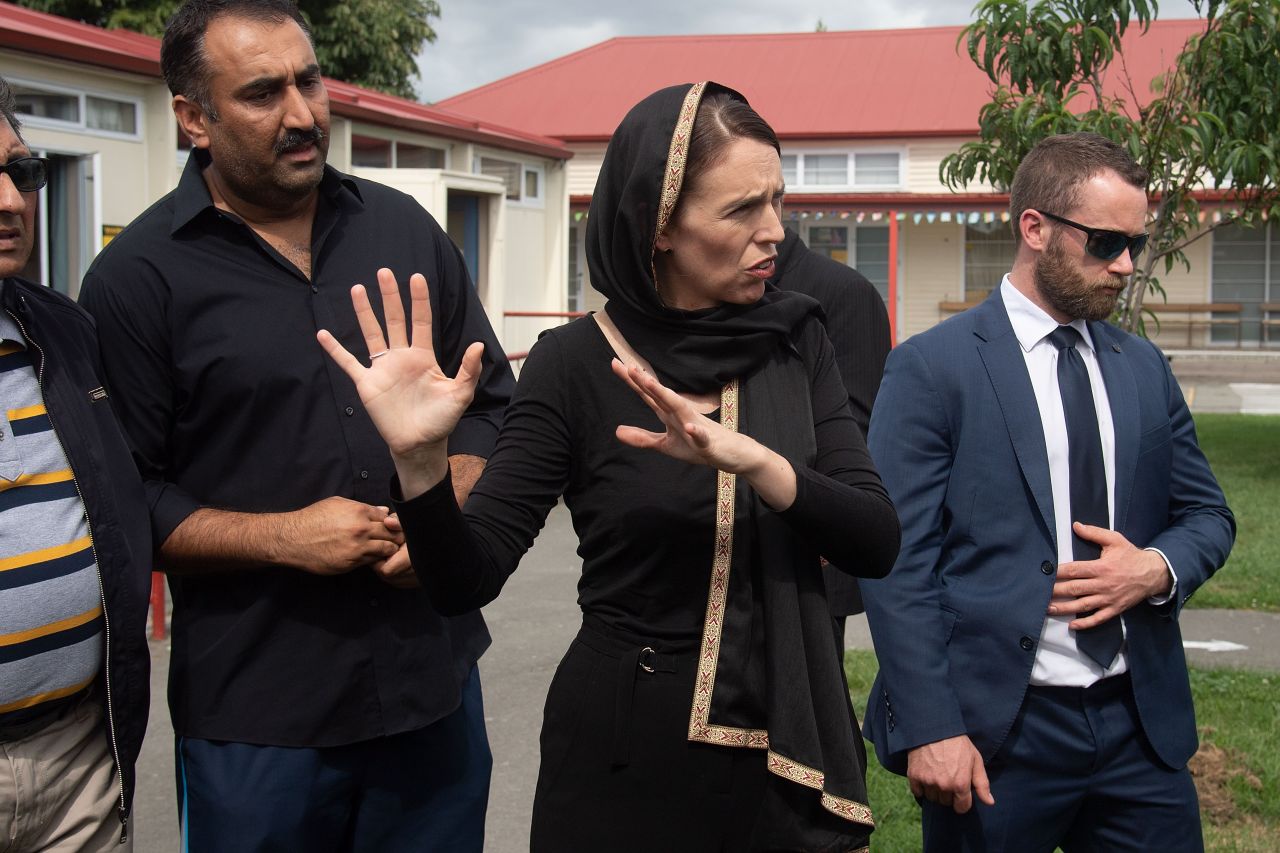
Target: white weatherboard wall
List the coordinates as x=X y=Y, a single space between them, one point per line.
x=134 y=171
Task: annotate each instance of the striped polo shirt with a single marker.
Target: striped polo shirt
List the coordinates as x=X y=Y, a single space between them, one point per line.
x=51 y=623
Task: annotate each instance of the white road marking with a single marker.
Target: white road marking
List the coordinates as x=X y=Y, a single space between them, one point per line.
x=1214 y=645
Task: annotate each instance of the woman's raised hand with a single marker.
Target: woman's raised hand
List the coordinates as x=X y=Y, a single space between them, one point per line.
x=693 y=437
x=410 y=400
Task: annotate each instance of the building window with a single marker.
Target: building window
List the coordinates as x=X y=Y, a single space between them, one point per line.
x=988 y=255
x=507 y=170
x=370 y=153
x=408 y=156
x=871 y=254
x=857 y=170
x=33 y=103
x=376 y=153
x=534 y=177
x=112 y=116
x=524 y=183
x=1246 y=270
x=826 y=170
x=865 y=248
x=789 y=170
x=51 y=106
x=879 y=170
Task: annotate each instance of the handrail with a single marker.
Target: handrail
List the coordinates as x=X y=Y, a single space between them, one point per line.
x=547 y=315
x=569 y=315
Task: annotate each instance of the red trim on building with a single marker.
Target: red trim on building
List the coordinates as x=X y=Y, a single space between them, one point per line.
x=52 y=37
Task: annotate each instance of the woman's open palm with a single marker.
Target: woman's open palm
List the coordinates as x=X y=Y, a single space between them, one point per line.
x=413 y=404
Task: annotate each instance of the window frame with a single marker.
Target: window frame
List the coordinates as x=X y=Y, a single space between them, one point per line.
x=82 y=96
x=851 y=155
x=992 y=284
x=394 y=155
x=851 y=244
x=525 y=169
x=1265 y=340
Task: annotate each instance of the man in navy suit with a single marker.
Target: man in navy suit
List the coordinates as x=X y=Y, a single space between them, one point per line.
x=1033 y=687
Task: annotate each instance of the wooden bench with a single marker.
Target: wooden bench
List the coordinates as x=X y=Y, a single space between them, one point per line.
x=1270 y=321
x=1189 y=315
x=1175 y=316
x=946 y=308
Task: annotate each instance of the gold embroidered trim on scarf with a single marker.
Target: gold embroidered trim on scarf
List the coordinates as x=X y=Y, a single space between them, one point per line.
x=811 y=778
x=678 y=155
x=700 y=727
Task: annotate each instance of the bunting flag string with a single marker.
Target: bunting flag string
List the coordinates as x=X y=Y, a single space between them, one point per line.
x=915 y=217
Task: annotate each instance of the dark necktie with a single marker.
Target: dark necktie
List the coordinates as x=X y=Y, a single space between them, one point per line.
x=1088 y=478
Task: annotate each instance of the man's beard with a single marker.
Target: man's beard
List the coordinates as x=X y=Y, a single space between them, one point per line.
x=1067 y=290
x=278 y=187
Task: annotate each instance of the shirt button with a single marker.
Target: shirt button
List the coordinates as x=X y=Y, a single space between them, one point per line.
x=1046 y=567
x=1027 y=644
x=373 y=602
x=364 y=475
x=350 y=411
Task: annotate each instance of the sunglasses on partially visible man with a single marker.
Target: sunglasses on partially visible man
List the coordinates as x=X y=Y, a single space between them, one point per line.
x=27 y=173
x=1103 y=244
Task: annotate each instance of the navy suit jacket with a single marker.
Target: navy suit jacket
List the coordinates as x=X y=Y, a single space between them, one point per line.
x=957 y=438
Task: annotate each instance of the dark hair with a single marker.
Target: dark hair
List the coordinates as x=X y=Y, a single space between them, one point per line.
x=1049 y=178
x=722 y=119
x=9 y=108
x=182 y=57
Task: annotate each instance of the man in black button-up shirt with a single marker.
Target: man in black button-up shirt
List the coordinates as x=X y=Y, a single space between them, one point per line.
x=315 y=693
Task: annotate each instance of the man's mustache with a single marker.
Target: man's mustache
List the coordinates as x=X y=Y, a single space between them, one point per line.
x=297 y=138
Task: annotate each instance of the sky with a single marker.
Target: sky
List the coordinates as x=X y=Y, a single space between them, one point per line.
x=480 y=41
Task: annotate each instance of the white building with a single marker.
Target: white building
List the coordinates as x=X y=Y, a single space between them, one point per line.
x=93 y=102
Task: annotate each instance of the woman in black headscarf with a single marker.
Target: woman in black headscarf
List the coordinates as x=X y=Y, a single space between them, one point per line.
x=702 y=705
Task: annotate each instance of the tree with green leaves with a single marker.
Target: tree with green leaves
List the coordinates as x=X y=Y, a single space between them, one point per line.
x=372 y=43
x=1206 y=129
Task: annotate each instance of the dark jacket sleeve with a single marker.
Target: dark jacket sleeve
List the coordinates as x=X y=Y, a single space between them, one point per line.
x=130 y=310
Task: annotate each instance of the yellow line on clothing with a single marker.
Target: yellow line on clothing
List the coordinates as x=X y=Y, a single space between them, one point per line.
x=28 y=412
x=32 y=701
x=52 y=628
x=45 y=554
x=45 y=479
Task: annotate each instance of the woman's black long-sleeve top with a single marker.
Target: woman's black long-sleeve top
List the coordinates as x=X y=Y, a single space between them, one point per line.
x=645 y=522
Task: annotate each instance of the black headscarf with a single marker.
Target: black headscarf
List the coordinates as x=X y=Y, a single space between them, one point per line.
x=636 y=193
x=769 y=675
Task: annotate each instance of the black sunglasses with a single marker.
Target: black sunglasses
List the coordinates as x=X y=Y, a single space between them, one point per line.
x=27 y=173
x=1106 y=245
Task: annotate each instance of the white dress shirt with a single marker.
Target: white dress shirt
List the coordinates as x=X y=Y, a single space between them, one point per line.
x=1058 y=660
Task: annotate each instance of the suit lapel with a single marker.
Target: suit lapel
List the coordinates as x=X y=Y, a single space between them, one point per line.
x=1122 y=395
x=1007 y=369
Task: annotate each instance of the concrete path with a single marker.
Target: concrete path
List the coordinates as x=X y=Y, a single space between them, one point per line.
x=1229 y=381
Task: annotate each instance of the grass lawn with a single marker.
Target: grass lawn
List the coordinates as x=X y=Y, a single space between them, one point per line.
x=1237 y=770
x=1244 y=451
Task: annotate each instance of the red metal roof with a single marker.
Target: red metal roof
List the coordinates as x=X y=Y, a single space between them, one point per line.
x=866 y=83
x=121 y=50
